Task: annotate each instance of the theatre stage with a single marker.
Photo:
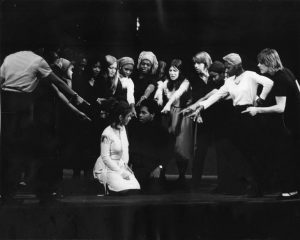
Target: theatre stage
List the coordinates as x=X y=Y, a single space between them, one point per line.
x=176 y=214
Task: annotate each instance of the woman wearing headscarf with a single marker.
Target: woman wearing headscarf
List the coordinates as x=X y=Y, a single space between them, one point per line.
x=144 y=77
x=176 y=89
x=114 y=84
x=125 y=68
x=242 y=87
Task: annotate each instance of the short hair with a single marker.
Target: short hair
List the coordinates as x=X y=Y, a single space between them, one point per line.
x=151 y=105
x=217 y=67
x=270 y=58
x=203 y=57
x=233 y=59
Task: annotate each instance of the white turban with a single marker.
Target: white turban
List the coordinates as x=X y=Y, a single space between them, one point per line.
x=151 y=58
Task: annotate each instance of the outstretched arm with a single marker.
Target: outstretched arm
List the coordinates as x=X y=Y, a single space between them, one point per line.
x=195 y=105
x=63 y=87
x=68 y=104
x=159 y=93
x=176 y=95
x=195 y=112
x=150 y=88
x=216 y=96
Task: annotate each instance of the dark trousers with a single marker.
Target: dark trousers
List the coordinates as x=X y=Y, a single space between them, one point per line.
x=232 y=168
x=246 y=135
x=296 y=152
x=18 y=140
x=148 y=184
x=279 y=153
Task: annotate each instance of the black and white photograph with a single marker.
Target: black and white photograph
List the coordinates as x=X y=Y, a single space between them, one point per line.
x=150 y=119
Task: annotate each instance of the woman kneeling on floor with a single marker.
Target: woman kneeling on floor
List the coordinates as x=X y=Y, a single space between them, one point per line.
x=111 y=167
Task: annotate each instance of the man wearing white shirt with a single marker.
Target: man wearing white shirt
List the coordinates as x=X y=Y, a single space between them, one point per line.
x=20 y=74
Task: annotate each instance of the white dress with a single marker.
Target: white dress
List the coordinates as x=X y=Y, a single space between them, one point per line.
x=113 y=161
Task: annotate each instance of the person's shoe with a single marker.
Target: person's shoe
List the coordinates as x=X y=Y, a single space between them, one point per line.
x=288 y=196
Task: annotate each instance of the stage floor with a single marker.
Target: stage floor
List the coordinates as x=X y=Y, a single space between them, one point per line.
x=176 y=214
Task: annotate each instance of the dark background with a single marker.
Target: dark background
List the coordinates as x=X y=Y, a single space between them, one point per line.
x=169 y=28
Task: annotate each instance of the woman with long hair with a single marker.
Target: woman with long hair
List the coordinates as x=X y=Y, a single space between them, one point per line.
x=115 y=81
x=176 y=89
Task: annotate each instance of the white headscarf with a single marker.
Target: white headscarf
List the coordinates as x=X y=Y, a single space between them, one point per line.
x=150 y=57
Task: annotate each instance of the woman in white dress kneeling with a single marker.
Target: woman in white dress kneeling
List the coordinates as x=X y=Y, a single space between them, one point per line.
x=111 y=167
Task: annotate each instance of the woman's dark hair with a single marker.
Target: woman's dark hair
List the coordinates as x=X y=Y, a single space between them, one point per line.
x=177 y=63
x=90 y=71
x=115 y=108
x=161 y=70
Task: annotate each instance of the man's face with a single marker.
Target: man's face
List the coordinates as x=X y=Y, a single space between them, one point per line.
x=144 y=115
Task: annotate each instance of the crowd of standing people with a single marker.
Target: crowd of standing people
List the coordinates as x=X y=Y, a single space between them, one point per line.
x=122 y=121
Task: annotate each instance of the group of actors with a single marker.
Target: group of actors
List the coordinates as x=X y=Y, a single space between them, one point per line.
x=123 y=121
